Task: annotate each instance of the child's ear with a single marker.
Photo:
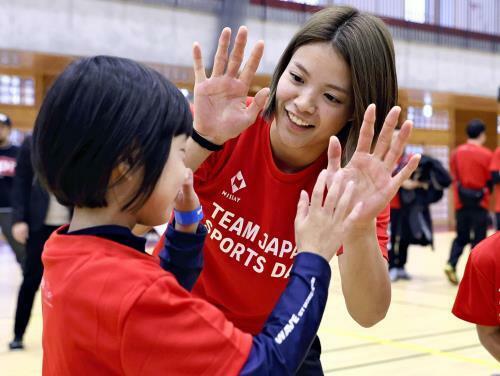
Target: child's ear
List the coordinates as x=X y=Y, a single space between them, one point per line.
x=122 y=171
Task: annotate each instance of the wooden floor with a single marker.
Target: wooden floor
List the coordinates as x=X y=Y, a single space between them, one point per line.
x=419 y=336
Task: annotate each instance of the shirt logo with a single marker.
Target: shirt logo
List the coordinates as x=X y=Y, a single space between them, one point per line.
x=237 y=182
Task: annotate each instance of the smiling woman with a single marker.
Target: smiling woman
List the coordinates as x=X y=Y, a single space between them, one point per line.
x=314 y=101
x=333 y=87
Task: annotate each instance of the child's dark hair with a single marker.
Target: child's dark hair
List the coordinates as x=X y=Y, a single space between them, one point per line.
x=100 y=112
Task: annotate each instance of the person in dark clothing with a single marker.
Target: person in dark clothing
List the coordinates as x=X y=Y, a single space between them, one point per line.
x=8 y=155
x=495 y=180
x=36 y=214
x=470 y=168
x=411 y=221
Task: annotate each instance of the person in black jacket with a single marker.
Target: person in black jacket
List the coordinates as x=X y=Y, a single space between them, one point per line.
x=35 y=215
x=8 y=155
x=411 y=221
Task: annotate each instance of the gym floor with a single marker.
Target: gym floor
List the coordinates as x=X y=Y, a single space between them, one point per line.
x=419 y=336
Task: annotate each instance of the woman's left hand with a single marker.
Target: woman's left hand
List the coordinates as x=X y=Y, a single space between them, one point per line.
x=372 y=172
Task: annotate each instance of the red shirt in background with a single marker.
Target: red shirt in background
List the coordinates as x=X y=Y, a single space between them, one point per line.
x=478 y=297
x=495 y=166
x=111 y=310
x=470 y=164
x=402 y=162
x=250 y=206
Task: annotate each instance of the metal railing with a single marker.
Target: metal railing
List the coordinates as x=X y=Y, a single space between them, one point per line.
x=473 y=24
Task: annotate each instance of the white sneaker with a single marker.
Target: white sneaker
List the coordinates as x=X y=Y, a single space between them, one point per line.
x=402 y=274
x=393 y=274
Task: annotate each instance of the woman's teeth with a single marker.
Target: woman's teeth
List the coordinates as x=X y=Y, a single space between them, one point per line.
x=298 y=121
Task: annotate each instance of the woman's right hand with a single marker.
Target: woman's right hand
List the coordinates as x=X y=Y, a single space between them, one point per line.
x=220 y=110
x=319 y=223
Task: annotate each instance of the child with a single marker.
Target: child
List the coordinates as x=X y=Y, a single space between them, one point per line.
x=478 y=297
x=110 y=141
x=250 y=169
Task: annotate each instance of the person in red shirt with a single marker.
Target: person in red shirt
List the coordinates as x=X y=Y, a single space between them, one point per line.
x=495 y=178
x=250 y=167
x=478 y=297
x=469 y=167
x=113 y=148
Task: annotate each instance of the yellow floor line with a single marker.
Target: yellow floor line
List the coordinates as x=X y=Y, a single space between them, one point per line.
x=412 y=347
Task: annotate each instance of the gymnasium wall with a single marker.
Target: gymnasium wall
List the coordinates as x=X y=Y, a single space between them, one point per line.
x=165 y=35
x=39 y=38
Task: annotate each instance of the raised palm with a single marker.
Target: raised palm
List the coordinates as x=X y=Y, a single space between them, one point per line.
x=221 y=112
x=372 y=172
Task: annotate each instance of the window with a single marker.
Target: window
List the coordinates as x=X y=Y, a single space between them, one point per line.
x=434 y=119
x=415 y=10
x=15 y=90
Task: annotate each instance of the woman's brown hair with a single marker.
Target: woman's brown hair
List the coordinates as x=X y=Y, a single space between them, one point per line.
x=366 y=45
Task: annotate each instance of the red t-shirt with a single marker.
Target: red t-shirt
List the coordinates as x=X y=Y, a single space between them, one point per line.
x=250 y=206
x=495 y=166
x=111 y=310
x=402 y=162
x=478 y=298
x=470 y=164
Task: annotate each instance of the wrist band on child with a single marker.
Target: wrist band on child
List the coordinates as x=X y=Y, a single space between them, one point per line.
x=188 y=218
x=204 y=143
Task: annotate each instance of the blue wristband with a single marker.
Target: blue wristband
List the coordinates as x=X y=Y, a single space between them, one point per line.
x=188 y=218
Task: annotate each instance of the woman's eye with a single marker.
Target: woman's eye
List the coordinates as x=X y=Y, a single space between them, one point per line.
x=331 y=98
x=296 y=78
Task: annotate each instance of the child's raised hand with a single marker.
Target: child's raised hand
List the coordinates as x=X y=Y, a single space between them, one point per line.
x=186 y=201
x=319 y=224
x=220 y=111
x=371 y=172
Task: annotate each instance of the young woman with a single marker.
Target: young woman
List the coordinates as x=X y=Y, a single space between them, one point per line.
x=331 y=91
x=110 y=141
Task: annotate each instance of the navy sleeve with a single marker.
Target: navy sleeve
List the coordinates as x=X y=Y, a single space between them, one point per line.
x=290 y=329
x=182 y=255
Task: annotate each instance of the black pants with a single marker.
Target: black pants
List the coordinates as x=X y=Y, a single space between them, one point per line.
x=32 y=277
x=311 y=366
x=17 y=248
x=400 y=235
x=472 y=224
x=498 y=220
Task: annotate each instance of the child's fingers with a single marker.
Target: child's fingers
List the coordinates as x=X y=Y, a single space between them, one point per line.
x=318 y=191
x=333 y=193
x=355 y=212
x=302 y=206
x=187 y=185
x=344 y=202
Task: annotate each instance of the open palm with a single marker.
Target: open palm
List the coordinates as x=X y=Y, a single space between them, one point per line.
x=221 y=112
x=372 y=172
